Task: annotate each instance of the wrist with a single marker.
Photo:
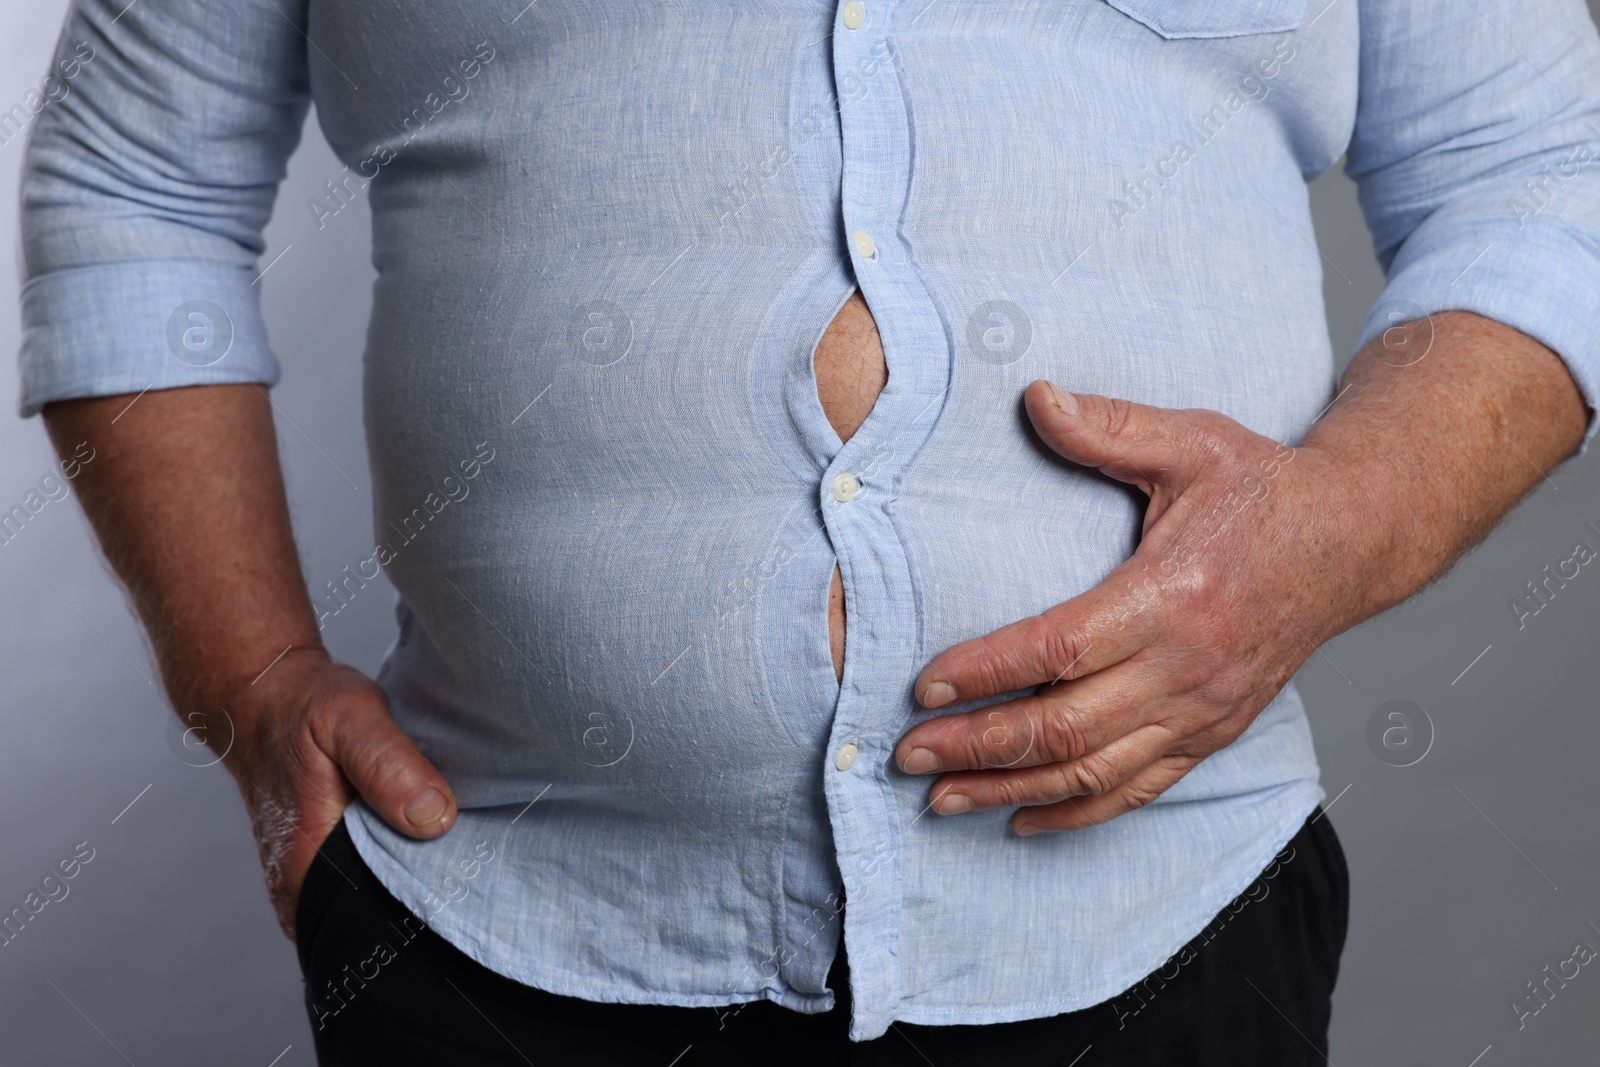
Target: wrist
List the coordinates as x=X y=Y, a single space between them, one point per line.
x=228 y=684
x=1385 y=535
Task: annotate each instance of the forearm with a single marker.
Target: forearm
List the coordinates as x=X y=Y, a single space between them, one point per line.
x=1439 y=448
x=186 y=497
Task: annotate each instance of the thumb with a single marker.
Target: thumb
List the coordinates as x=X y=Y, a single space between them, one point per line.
x=385 y=766
x=1133 y=443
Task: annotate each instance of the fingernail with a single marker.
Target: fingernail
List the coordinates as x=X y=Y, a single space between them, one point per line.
x=1027 y=828
x=1065 y=402
x=921 y=761
x=426 y=807
x=953 y=804
x=938 y=695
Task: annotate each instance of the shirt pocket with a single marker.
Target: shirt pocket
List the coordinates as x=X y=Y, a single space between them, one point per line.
x=1174 y=19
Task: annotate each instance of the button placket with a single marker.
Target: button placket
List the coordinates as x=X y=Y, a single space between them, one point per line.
x=874 y=707
x=861 y=804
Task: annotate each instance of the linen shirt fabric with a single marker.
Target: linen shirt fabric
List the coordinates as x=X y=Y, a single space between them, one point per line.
x=608 y=237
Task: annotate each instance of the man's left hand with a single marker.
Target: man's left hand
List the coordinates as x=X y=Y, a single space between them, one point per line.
x=1252 y=555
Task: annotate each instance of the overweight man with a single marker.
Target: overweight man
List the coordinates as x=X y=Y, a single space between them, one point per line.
x=858 y=478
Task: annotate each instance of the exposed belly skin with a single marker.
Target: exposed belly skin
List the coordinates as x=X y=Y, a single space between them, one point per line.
x=851 y=371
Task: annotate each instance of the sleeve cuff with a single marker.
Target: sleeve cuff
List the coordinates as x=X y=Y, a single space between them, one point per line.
x=125 y=327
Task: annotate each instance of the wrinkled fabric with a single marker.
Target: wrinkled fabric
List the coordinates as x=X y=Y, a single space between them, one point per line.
x=608 y=237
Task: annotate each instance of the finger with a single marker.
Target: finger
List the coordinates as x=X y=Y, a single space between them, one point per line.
x=1077 y=813
x=1060 y=723
x=384 y=765
x=1097 y=773
x=1135 y=443
x=1078 y=637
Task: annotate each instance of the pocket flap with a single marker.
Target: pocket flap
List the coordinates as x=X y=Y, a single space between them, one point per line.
x=1214 y=18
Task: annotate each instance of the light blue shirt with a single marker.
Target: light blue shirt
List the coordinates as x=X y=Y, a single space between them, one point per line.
x=608 y=236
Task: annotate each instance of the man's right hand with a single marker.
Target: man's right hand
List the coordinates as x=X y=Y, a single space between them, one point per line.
x=309 y=735
x=186 y=497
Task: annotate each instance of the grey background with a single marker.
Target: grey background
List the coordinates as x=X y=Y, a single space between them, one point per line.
x=1472 y=869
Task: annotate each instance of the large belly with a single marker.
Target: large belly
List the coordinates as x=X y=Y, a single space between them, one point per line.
x=851 y=371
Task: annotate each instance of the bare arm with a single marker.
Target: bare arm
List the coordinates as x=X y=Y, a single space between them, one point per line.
x=1447 y=422
x=186 y=497
x=188 y=503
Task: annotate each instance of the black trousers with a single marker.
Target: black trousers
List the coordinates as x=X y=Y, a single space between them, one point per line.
x=1252 y=990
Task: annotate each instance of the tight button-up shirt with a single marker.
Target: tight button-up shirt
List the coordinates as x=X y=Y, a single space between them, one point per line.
x=608 y=237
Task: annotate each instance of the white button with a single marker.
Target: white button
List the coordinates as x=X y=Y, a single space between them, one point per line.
x=865 y=244
x=846 y=757
x=854 y=15
x=844 y=487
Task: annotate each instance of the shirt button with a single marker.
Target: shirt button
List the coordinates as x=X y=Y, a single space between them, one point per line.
x=846 y=757
x=865 y=244
x=845 y=487
x=854 y=15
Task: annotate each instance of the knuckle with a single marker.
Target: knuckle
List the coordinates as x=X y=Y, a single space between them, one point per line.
x=989 y=662
x=1085 y=777
x=298 y=755
x=1008 y=792
x=1061 y=734
x=1229 y=725
x=1013 y=735
x=1231 y=469
x=1222 y=674
x=1137 y=795
x=1196 y=673
x=1210 y=430
x=1060 y=648
x=341 y=701
x=345 y=719
x=1204 y=581
x=1116 y=413
x=978 y=743
x=383 y=765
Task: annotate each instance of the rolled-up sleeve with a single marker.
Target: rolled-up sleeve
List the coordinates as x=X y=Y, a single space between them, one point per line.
x=148 y=180
x=1477 y=156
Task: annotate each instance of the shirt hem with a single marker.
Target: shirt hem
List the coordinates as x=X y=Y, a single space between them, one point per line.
x=1107 y=991
x=564 y=983
x=561 y=983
